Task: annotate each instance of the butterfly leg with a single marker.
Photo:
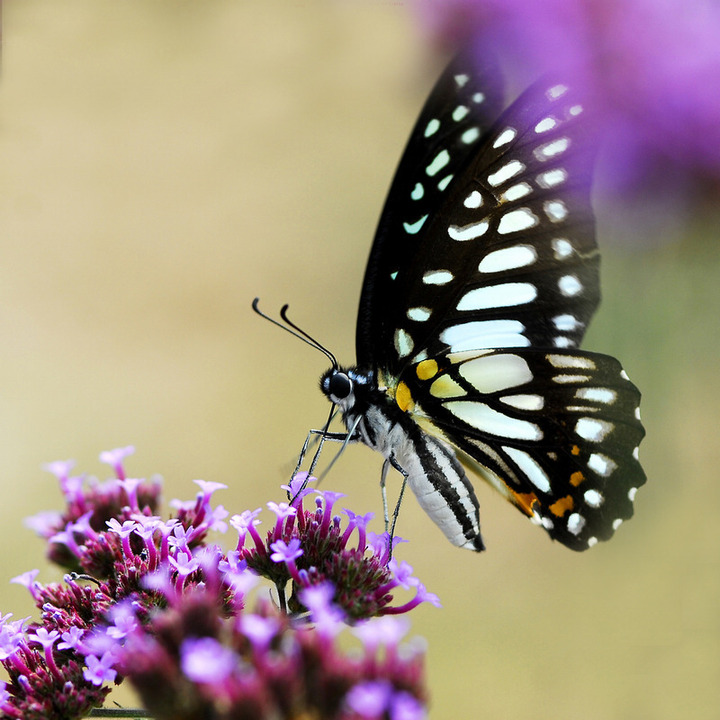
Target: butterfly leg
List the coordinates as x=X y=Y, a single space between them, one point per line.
x=390 y=528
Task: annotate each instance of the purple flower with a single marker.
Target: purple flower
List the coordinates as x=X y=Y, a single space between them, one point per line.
x=167 y=611
x=259 y=630
x=114 y=458
x=99 y=670
x=286 y=552
x=206 y=660
x=370 y=699
x=60 y=468
x=71 y=639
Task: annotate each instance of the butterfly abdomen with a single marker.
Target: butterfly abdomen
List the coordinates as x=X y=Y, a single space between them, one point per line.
x=430 y=466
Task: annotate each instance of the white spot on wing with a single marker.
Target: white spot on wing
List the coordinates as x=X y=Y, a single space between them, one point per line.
x=597 y=394
x=569 y=285
x=462 y=79
x=592 y=429
x=552 y=178
x=460 y=112
x=570 y=379
x=414 y=228
x=562 y=249
x=470 y=135
x=545 y=124
x=601 y=464
x=593 y=498
x=403 y=343
x=508 y=258
x=491 y=373
x=566 y=323
x=468 y=232
x=478 y=97
x=482 y=416
x=571 y=361
x=535 y=474
x=419 y=314
x=432 y=127
x=556 y=91
x=437 y=277
x=473 y=200
x=631 y=494
x=484 y=335
x=552 y=149
x=556 y=210
x=515 y=192
x=524 y=402
x=445 y=182
x=417 y=192
x=438 y=163
x=575 y=523
x=516 y=220
x=514 y=167
x=505 y=295
x=506 y=136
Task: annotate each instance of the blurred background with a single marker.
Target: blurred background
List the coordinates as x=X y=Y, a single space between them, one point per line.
x=161 y=164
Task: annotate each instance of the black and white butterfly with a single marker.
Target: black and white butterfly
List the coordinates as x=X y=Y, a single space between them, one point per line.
x=481 y=282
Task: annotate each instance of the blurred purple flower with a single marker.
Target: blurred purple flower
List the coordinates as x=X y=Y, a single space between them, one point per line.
x=206 y=660
x=652 y=65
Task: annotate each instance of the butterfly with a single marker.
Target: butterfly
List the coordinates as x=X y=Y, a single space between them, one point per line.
x=481 y=281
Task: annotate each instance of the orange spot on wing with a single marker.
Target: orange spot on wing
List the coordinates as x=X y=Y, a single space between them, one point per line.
x=576 y=478
x=524 y=501
x=403 y=397
x=575 y=450
x=560 y=507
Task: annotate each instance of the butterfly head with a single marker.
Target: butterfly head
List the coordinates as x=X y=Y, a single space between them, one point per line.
x=339 y=387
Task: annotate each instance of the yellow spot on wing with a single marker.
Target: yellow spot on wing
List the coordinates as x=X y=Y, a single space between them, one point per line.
x=445 y=387
x=576 y=478
x=426 y=369
x=560 y=507
x=403 y=397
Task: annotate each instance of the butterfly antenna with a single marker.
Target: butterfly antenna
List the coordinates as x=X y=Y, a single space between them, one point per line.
x=308 y=338
x=295 y=331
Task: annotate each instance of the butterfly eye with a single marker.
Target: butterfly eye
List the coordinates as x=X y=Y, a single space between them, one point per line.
x=339 y=385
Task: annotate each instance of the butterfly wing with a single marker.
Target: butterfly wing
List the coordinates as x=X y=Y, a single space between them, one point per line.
x=556 y=432
x=444 y=142
x=496 y=283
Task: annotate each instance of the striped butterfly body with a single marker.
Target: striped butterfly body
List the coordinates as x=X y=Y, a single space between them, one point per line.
x=481 y=282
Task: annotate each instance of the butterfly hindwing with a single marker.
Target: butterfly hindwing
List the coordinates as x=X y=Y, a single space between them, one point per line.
x=556 y=431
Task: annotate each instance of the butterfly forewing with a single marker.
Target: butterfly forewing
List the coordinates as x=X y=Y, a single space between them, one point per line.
x=510 y=257
x=462 y=107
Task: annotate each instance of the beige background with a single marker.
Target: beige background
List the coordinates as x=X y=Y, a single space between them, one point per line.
x=163 y=163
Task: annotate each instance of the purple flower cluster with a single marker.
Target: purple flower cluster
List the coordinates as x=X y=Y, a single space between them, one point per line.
x=653 y=66
x=311 y=547
x=152 y=601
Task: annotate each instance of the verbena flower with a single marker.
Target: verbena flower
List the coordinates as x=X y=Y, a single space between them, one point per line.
x=150 y=600
x=309 y=547
x=652 y=65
